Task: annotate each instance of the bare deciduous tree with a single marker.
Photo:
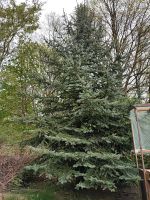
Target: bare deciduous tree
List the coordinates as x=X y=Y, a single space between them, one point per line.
x=128 y=31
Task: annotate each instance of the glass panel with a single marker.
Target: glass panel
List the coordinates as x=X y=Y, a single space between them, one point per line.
x=144 y=123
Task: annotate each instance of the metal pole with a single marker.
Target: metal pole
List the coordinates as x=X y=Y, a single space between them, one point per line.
x=136 y=155
x=137 y=163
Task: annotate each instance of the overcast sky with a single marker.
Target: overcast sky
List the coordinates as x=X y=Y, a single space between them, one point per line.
x=56 y=6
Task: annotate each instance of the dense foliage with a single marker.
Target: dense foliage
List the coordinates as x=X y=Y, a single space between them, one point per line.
x=17 y=23
x=69 y=94
x=83 y=124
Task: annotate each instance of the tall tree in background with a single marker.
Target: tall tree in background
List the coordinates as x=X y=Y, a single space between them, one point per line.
x=17 y=84
x=128 y=30
x=83 y=126
x=17 y=89
x=15 y=21
x=17 y=61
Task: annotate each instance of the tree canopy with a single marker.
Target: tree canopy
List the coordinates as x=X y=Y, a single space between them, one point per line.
x=15 y=21
x=82 y=129
x=68 y=95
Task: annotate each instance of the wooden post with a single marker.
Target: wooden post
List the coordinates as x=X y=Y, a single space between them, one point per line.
x=1 y=196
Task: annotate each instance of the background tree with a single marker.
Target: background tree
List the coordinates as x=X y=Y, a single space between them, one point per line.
x=17 y=60
x=128 y=28
x=15 y=21
x=18 y=89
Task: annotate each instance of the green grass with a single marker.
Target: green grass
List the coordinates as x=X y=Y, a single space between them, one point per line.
x=32 y=195
x=42 y=195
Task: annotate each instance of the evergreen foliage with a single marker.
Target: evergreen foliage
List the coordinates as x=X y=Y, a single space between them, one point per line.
x=83 y=126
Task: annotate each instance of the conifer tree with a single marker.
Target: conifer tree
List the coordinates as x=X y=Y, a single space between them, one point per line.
x=83 y=126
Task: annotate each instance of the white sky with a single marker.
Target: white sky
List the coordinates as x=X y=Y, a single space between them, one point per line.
x=57 y=6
